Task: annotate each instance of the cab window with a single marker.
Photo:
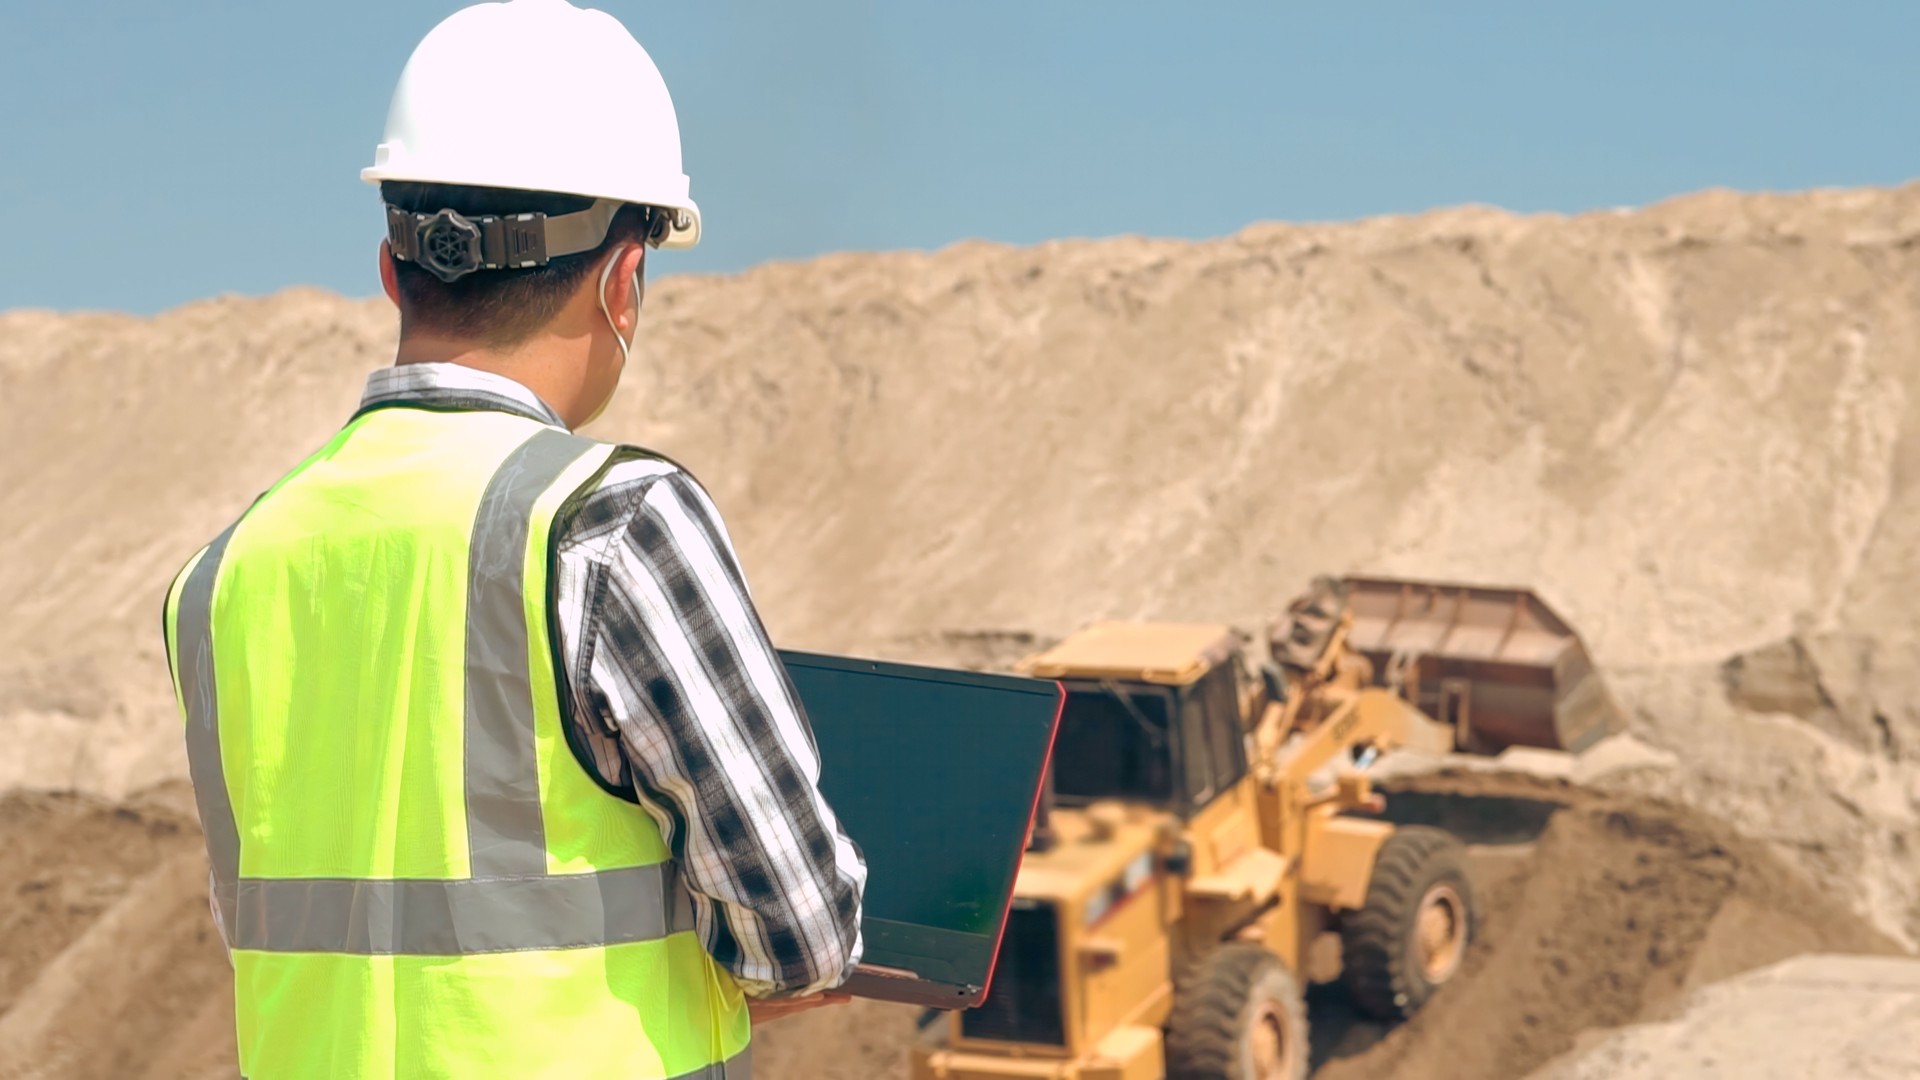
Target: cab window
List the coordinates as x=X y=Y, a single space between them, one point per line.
x=1212 y=751
x=1114 y=743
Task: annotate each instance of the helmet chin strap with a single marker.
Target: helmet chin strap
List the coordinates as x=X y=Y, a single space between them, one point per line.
x=625 y=343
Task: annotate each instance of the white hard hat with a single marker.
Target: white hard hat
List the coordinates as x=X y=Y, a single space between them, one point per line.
x=539 y=95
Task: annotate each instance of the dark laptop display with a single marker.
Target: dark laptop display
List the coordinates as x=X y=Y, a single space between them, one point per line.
x=935 y=774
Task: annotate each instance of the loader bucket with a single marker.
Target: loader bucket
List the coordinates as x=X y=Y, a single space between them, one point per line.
x=1495 y=664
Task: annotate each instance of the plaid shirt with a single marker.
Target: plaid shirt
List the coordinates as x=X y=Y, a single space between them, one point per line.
x=685 y=708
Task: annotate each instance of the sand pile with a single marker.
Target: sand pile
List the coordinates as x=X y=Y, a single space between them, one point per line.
x=109 y=963
x=1692 y=428
x=1613 y=915
x=1814 y=1015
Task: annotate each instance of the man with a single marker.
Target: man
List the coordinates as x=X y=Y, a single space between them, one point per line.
x=499 y=773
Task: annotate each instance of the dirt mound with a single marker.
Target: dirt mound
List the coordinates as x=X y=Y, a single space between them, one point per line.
x=109 y=963
x=1853 y=1017
x=1612 y=915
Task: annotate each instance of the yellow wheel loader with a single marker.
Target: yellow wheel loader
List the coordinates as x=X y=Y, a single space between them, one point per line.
x=1208 y=844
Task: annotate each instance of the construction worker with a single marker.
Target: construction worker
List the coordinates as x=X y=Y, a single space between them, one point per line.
x=499 y=773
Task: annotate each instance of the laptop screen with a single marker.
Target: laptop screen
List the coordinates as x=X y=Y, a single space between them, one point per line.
x=934 y=774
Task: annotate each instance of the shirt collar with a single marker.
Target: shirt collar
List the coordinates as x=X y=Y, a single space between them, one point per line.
x=457 y=386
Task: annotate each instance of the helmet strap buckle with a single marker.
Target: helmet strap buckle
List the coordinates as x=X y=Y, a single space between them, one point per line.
x=451 y=245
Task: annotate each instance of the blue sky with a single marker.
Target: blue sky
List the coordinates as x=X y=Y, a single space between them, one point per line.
x=155 y=153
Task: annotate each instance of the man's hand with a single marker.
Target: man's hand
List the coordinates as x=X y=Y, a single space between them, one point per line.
x=780 y=1008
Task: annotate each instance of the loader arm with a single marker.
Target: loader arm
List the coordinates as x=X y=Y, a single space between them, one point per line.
x=1368 y=716
x=1315 y=685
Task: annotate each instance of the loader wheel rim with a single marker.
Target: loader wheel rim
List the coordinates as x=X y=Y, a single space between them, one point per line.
x=1271 y=1042
x=1440 y=933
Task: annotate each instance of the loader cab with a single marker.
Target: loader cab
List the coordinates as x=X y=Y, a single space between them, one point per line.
x=1152 y=715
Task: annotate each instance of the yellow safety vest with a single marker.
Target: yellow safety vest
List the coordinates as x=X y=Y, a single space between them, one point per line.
x=416 y=876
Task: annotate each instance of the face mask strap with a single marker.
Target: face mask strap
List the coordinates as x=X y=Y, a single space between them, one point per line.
x=606 y=274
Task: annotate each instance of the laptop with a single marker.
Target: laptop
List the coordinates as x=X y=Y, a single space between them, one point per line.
x=935 y=774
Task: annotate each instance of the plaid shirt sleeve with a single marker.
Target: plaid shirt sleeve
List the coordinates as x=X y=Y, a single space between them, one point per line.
x=685 y=699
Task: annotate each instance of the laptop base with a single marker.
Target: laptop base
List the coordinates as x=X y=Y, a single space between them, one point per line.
x=906 y=988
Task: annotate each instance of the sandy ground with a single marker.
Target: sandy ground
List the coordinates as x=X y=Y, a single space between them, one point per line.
x=1620 y=908
x=1598 y=912
x=1809 y=1018
x=1691 y=427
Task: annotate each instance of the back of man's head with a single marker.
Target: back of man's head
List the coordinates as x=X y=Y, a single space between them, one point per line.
x=499 y=309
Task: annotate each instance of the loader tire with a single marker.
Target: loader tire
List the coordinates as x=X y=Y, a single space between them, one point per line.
x=1239 y=1015
x=1413 y=933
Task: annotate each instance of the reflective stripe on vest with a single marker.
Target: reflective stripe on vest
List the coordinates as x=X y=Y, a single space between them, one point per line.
x=521 y=927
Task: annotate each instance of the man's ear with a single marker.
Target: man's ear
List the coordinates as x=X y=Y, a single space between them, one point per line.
x=388 y=279
x=629 y=267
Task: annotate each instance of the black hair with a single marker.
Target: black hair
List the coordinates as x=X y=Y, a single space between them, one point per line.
x=499 y=308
